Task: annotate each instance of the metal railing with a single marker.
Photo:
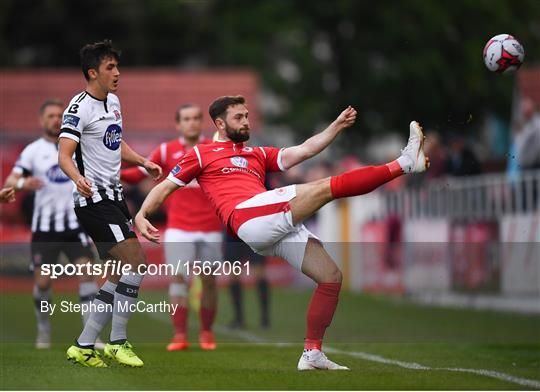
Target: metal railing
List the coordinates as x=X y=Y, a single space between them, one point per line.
x=486 y=196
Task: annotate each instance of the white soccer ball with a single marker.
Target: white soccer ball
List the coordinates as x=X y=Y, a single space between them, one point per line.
x=503 y=53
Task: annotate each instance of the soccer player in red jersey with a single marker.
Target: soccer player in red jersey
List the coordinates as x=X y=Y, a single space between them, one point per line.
x=231 y=175
x=193 y=232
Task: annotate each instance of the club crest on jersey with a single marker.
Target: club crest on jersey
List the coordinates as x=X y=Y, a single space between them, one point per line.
x=55 y=174
x=239 y=162
x=175 y=170
x=112 y=137
x=117 y=114
x=178 y=154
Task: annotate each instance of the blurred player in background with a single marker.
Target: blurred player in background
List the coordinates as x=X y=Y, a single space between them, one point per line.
x=92 y=131
x=193 y=230
x=232 y=176
x=55 y=228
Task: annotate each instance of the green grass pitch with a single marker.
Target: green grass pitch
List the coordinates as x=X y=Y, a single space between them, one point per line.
x=382 y=340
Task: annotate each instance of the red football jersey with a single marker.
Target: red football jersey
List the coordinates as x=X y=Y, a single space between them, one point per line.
x=228 y=173
x=187 y=209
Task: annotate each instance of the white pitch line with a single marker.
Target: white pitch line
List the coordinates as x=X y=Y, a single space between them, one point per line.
x=377 y=358
x=255 y=339
x=415 y=366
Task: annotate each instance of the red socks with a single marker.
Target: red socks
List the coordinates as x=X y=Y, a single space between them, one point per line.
x=364 y=180
x=320 y=313
x=179 y=319
x=207 y=316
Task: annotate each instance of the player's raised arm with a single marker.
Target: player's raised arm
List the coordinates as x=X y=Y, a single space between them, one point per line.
x=66 y=149
x=153 y=200
x=130 y=156
x=292 y=156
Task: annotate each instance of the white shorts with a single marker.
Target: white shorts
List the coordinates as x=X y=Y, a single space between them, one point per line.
x=182 y=246
x=265 y=223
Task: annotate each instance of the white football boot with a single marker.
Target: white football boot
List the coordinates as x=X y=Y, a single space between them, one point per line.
x=43 y=340
x=316 y=360
x=413 y=159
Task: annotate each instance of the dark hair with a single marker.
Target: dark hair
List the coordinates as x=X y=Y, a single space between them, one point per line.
x=93 y=54
x=50 y=102
x=182 y=107
x=220 y=105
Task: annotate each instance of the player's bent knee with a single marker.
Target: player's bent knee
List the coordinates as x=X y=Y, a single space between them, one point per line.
x=334 y=275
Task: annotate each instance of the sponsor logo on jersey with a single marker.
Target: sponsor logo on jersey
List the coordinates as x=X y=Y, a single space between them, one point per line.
x=55 y=174
x=280 y=191
x=175 y=170
x=229 y=170
x=112 y=137
x=247 y=149
x=239 y=162
x=70 y=119
x=117 y=114
x=218 y=149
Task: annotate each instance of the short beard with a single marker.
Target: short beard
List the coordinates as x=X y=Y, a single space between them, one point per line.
x=236 y=136
x=52 y=133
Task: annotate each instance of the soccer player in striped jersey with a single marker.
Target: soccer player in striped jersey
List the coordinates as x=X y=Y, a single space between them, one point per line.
x=55 y=228
x=92 y=132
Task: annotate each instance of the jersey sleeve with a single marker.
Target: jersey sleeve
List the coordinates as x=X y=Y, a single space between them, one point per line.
x=24 y=163
x=133 y=175
x=158 y=155
x=272 y=156
x=187 y=169
x=74 y=120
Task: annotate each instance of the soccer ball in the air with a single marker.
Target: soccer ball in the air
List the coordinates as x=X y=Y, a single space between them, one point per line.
x=503 y=53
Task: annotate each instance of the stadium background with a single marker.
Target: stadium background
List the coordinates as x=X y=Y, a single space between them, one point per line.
x=449 y=258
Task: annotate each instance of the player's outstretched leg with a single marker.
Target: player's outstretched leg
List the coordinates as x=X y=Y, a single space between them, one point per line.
x=178 y=295
x=320 y=267
x=207 y=312
x=312 y=196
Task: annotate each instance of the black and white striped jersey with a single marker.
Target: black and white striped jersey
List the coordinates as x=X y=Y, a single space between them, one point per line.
x=96 y=125
x=53 y=207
